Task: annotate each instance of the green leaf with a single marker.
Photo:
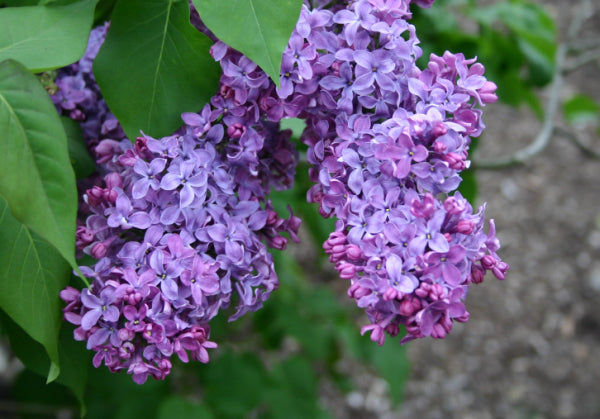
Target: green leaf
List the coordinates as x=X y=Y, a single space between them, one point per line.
x=154 y=66
x=45 y=37
x=36 y=177
x=293 y=393
x=234 y=383
x=178 y=407
x=532 y=29
x=581 y=109
x=74 y=358
x=32 y=275
x=81 y=160
x=259 y=29
x=391 y=363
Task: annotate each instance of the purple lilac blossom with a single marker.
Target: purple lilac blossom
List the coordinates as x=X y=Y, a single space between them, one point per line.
x=387 y=141
x=180 y=225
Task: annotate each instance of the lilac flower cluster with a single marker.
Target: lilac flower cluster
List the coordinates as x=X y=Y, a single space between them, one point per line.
x=78 y=95
x=387 y=142
x=180 y=227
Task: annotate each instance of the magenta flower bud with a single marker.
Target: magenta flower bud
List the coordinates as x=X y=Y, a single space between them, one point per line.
x=390 y=294
x=226 y=91
x=236 y=130
x=337 y=253
x=277 y=242
x=499 y=270
x=128 y=158
x=409 y=306
x=126 y=349
x=477 y=274
x=84 y=236
x=110 y=195
x=77 y=115
x=454 y=206
x=392 y=329
x=356 y=291
x=439 y=129
x=488 y=262
x=455 y=161
x=113 y=180
x=438 y=331
x=439 y=147
x=272 y=218
x=79 y=334
x=335 y=238
x=106 y=150
x=98 y=250
x=126 y=334
x=377 y=333
x=353 y=252
x=486 y=92
x=140 y=147
x=346 y=270
x=94 y=196
x=465 y=226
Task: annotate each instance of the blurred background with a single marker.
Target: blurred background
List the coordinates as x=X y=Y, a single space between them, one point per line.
x=532 y=345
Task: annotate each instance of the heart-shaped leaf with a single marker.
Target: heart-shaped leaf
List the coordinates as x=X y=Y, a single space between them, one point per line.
x=259 y=29
x=45 y=37
x=154 y=65
x=32 y=275
x=36 y=177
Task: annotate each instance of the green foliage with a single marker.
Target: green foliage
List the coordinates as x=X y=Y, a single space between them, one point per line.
x=153 y=66
x=260 y=29
x=514 y=39
x=32 y=275
x=74 y=358
x=83 y=164
x=581 y=109
x=45 y=37
x=36 y=178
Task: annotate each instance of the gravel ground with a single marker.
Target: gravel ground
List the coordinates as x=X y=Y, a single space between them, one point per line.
x=532 y=345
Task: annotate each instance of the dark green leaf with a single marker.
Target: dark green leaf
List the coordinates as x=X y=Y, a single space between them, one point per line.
x=36 y=177
x=260 y=29
x=178 y=407
x=234 y=383
x=581 y=109
x=45 y=37
x=391 y=363
x=116 y=396
x=32 y=275
x=81 y=160
x=154 y=65
x=293 y=393
x=74 y=358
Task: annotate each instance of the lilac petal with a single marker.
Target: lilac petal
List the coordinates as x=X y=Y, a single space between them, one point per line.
x=111 y=314
x=90 y=319
x=170 y=215
x=217 y=232
x=140 y=188
x=97 y=338
x=170 y=181
x=451 y=274
x=234 y=251
x=186 y=196
x=140 y=220
x=438 y=243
